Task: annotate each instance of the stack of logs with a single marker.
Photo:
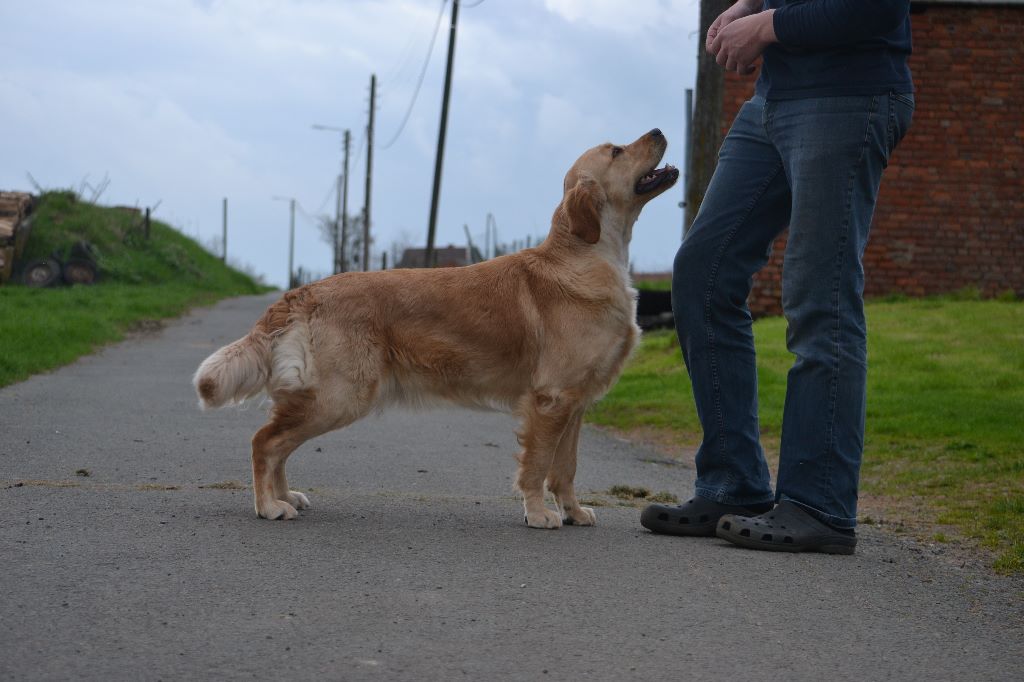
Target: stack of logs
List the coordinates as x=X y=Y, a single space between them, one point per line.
x=15 y=209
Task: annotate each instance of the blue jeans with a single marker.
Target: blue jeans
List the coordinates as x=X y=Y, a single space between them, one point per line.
x=813 y=165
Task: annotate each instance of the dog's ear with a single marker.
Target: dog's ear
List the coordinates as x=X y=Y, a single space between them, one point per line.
x=582 y=204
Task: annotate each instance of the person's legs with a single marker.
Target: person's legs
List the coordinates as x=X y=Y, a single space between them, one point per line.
x=834 y=151
x=747 y=204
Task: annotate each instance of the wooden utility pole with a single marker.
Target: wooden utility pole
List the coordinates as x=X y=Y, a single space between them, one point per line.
x=369 y=174
x=342 y=260
x=291 y=245
x=706 y=135
x=428 y=258
x=688 y=154
x=337 y=225
x=224 y=238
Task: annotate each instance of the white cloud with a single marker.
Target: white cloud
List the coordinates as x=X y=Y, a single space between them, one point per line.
x=624 y=17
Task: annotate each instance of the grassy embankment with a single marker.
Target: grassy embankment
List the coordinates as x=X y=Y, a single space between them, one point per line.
x=140 y=280
x=944 y=448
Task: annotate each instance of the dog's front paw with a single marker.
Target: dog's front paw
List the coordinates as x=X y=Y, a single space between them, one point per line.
x=543 y=518
x=276 y=509
x=580 y=516
x=297 y=499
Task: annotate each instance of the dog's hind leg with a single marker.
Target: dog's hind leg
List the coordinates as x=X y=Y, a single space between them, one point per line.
x=562 y=474
x=545 y=417
x=293 y=421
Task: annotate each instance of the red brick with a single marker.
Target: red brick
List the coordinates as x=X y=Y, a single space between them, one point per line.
x=950 y=213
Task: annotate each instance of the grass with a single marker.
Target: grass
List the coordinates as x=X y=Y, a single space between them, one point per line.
x=140 y=280
x=653 y=284
x=945 y=412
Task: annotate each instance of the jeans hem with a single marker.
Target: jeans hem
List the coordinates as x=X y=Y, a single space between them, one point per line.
x=724 y=498
x=834 y=521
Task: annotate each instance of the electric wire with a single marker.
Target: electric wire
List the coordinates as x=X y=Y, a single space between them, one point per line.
x=330 y=193
x=403 y=60
x=419 y=83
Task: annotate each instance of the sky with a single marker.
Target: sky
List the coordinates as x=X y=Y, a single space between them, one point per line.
x=180 y=103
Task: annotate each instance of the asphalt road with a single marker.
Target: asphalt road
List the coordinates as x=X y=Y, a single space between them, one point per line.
x=414 y=562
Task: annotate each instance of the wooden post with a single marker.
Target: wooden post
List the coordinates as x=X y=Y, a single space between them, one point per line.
x=439 y=159
x=342 y=257
x=688 y=156
x=224 y=239
x=291 y=245
x=707 y=118
x=146 y=224
x=369 y=174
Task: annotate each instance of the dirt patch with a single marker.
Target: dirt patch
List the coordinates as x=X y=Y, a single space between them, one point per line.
x=145 y=328
x=224 y=485
x=627 y=496
x=44 y=484
x=900 y=518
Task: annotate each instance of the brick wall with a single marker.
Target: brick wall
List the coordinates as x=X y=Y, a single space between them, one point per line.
x=951 y=209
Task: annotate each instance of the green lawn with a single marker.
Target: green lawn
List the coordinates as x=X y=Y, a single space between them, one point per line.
x=945 y=412
x=45 y=328
x=140 y=279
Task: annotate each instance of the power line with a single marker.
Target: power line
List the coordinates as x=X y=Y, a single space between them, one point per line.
x=419 y=83
x=404 y=59
x=310 y=218
x=330 y=193
x=475 y=4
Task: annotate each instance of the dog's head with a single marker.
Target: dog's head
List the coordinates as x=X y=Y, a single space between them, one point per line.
x=608 y=186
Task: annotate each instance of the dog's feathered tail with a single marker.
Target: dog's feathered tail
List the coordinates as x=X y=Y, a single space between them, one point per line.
x=238 y=371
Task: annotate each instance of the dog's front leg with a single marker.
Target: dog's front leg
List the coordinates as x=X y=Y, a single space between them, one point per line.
x=563 y=473
x=546 y=415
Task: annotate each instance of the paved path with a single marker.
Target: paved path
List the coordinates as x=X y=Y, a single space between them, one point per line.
x=414 y=563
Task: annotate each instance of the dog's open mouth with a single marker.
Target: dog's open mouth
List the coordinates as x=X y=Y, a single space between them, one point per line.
x=656 y=179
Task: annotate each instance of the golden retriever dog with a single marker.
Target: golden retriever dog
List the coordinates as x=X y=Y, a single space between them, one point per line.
x=542 y=334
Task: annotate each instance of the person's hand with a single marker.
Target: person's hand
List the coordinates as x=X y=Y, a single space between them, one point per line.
x=738 y=44
x=741 y=9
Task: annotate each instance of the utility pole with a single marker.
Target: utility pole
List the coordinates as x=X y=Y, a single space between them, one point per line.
x=224 y=240
x=291 y=244
x=369 y=174
x=341 y=201
x=487 y=237
x=688 y=154
x=291 y=237
x=707 y=119
x=469 y=244
x=342 y=262
x=432 y=225
x=492 y=230
x=337 y=227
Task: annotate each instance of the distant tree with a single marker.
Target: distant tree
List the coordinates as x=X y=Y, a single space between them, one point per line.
x=353 y=247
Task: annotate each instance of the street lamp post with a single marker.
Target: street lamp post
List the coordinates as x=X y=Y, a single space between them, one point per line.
x=291 y=238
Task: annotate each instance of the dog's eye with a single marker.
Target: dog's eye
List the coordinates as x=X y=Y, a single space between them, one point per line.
x=616 y=151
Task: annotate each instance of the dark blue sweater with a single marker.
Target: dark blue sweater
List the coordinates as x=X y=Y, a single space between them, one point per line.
x=829 y=48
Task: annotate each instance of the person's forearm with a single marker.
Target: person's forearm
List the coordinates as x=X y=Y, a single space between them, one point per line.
x=827 y=23
x=751 y=6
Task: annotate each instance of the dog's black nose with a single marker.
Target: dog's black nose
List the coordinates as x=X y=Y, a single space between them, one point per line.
x=655 y=133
